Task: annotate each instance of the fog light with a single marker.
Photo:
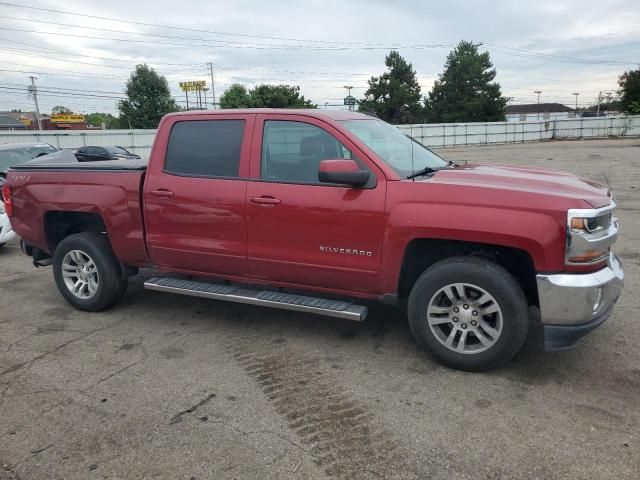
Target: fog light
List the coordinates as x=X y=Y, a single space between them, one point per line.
x=598 y=301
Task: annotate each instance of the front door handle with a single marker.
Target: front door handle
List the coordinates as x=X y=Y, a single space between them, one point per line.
x=266 y=200
x=162 y=192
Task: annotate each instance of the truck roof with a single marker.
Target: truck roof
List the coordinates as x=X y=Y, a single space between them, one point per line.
x=311 y=112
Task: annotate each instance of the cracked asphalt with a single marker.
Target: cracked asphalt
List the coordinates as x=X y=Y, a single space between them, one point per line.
x=171 y=387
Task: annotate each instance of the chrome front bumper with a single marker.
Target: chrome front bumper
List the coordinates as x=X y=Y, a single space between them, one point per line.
x=571 y=305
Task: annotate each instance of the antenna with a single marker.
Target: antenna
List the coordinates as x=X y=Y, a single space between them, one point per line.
x=413 y=169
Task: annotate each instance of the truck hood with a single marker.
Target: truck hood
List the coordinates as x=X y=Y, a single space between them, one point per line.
x=532 y=180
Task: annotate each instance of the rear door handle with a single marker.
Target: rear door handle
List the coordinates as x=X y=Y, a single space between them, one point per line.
x=266 y=200
x=162 y=192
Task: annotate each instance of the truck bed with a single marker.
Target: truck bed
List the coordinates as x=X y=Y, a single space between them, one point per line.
x=107 y=192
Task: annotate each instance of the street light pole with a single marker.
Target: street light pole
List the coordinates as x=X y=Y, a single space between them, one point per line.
x=576 y=94
x=349 y=87
x=213 y=85
x=538 y=92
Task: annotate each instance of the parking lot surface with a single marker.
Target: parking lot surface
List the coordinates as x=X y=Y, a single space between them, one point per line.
x=173 y=387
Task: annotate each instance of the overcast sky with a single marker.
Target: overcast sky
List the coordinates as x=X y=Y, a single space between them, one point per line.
x=558 y=47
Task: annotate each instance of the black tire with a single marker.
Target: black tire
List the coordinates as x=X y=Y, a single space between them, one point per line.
x=111 y=284
x=488 y=276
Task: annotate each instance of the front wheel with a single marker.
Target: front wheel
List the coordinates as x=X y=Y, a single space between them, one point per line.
x=469 y=312
x=87 y=273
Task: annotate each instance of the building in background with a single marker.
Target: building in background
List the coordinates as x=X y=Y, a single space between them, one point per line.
x=10 y=123
x=28 y=119
x=65 y=121
x=539 y=111
x=62 y=121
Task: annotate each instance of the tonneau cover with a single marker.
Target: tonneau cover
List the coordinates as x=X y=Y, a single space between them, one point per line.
x=106 y=165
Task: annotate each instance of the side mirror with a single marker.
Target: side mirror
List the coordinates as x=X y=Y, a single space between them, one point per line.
x=347 y=172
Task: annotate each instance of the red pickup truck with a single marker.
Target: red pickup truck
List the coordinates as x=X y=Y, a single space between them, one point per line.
x=317 y=211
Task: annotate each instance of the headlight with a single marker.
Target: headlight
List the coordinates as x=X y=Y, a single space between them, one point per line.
x=592 y=224
x=590 y=234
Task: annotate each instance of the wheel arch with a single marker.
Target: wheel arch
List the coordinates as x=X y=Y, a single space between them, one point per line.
x=60 y=224
x=421 y=253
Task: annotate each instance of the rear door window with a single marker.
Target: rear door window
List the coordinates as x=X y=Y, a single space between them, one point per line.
x=205 y=148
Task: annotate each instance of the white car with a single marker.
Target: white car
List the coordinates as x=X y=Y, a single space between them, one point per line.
x=6 y=232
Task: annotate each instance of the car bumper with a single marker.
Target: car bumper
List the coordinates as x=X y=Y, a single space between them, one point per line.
x=571 y=305
x=6 y=232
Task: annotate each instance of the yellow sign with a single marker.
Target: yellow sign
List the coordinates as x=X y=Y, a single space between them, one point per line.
x=193 y=86
x=26 y=121
x=66 y=118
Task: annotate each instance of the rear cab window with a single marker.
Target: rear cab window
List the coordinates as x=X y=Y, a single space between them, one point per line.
x=205 y=148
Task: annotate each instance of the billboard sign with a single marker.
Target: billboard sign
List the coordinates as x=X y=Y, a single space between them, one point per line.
x=66 y=118
x=193 y=85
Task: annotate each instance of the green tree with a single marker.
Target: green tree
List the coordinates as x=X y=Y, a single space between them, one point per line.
x=59 y=109
x=630 y=91
x=148 y=99
x=98 y=118
x=395 y=95
x=466 y=91
x=264 y=96
x=236 y=96
x=279 y=96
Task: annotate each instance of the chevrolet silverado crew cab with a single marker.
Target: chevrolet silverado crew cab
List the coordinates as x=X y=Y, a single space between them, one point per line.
x=321 y=211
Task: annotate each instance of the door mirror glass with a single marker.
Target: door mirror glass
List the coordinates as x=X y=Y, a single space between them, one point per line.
x=347 y=172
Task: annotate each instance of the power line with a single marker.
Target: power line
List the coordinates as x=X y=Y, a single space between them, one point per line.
x=243 y=68
x=221 y=43
x=247 y=44
x=132 y=22
x=558 y=57
x=49 y=57
x=519 y=52
x=75 y=54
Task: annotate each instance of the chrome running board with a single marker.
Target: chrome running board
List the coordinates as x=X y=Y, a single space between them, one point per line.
x=265 y=298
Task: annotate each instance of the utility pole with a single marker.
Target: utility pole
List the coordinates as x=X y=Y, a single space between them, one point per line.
x=576 y=94
x=538 y=92
x=34 y=91
x=349 y=87
x=599 y=99
x=213 y=85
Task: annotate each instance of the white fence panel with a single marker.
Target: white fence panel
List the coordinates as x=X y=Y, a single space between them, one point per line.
x=430 y=134
x=453 y=134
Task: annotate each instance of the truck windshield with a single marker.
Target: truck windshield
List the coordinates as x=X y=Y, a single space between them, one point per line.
x=393 y=147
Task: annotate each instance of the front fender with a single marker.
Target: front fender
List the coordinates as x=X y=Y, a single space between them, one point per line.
x=540 y=234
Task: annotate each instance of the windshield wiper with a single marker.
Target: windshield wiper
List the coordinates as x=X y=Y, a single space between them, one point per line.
x=424 y=171
x=428 y=170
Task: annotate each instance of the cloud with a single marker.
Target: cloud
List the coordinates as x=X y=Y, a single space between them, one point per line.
x=361 y=31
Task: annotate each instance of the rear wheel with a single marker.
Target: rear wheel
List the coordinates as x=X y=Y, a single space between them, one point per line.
x=469 y=312
x=87 y=273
